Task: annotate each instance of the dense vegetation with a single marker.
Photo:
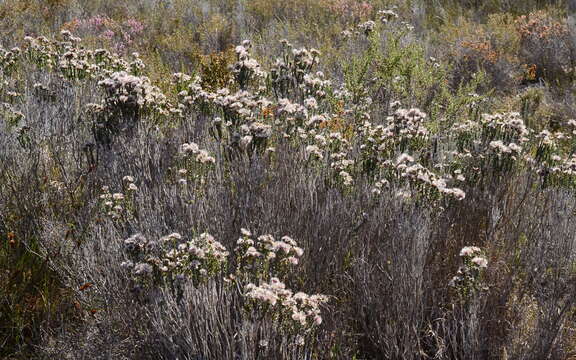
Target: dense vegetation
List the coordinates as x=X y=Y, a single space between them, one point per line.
x=305 y=179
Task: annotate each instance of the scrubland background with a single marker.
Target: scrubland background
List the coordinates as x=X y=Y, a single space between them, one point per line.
x=420 y=154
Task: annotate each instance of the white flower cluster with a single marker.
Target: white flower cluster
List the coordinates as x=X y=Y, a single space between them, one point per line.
x=406 y=123
x=129 y=184
x=549 y=144
x=261 y=260
x=291 y=75
x=404 y=130
x=367 y=27
x=114 y=204
x=135 y=245
x=237 y=108
x=246 y=68
x=201 y=156
x=42 y=51
x=316 y=85
x=549 y=139
x=139 y=243
x=564 y=165
x=294 y=113
x=469 y=251
x=313 y=152
x=125 y=90
x=265 y=253
x=259 y=130
x=194 y=164
x=305 y=59
x=468 y=277
x=347 y=179
x=10 y=115
x=474 y=254
x=496 y=142
x=572 y=126
x=301 y=308
x=75 y=62
x=501 y=149
x=198 y=259
x=405 y=167
x=8 y=59
x=387 y=15
x=499 y=133
x=340 y=163
x=506 y=126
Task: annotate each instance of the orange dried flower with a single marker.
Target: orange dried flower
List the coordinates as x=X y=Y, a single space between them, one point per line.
x=12 y=238
x=86 y=286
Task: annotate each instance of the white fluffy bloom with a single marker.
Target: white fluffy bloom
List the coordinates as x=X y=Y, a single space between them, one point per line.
x=245 y=141
x=260 y=130
x=469 y=250
x=204 y=158
x=251 y=251
x=346 y=178
x=311 y=103
x=190 y=148
x=300 y=317
x=314 y=151
x=404 y=158
x=293 y=260
x=142 y=269
x=299 y=340
x=480 y=261
x=298 y=251
x=127 y=264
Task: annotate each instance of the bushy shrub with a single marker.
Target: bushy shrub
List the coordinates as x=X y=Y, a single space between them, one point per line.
x=265 y=205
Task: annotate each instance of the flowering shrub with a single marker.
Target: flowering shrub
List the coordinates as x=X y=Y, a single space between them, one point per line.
x=131 y=95
x=424 y=181
x=301 y=309
x=468 y=279
x=194 y=163
x=8 y=60
x=497 y=142
x=262 y=258
x=74 y=61
x=262 y=261
x=119 y=34
x=128 y=98
x=245 y=69
x=377 y=163
x=404 y=131
x=292 y=76
x=119 y=205
x=12 y=117
x=174 y=259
